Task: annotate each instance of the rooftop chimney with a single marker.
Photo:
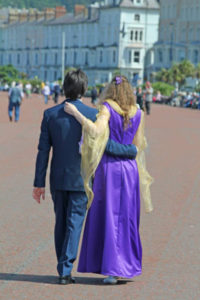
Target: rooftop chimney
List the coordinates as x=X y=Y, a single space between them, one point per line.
x=32 y=15
x=60 y=11
x=13 y=16
x=49 y=13
x=80 y=10
x=40 y=15
x=23 y=15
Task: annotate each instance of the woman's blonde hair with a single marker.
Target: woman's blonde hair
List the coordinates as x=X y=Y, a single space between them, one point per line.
x=120 y=91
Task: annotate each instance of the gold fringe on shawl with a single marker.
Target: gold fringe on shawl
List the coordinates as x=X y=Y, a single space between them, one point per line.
x=92 y=151
x=93 y=147
x=145 y=178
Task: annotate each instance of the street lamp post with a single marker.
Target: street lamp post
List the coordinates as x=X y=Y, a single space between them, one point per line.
x=171 y=42
x=63 y=56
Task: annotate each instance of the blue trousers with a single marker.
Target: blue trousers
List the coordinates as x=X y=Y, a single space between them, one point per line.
x=16 y=107
x=70 y=210
x=46 y=98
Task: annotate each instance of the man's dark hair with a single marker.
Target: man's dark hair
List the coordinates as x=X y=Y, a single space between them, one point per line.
x=75 y=84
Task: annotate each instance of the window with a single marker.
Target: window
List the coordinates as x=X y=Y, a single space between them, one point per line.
x=36 y=59
x=86 y=58
x=130 y=56
x=131 y=35
x=160 y=55
x=141 y=35
x=137 y=18
x=136 y=35
x=101 y=56
x=181 y=54
x=45 y=59
x=195 y=56
x=28 y=59
x=114 y=56
x=55 y=75
x=18 y=58
x=65 y=58
x=170 y=54
x=9 y=59
x=136 y=57
x=45 y=75
x=197 y=34
x=56 y=58
x=75 y=57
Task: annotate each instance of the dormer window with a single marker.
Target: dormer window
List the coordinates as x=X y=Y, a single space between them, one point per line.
x=137 y=18
x=136 y=1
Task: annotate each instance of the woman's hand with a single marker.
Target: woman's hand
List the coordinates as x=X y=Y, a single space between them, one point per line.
x=70 y=109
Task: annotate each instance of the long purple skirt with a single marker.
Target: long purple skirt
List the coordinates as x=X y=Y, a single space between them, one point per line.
x=111 y=243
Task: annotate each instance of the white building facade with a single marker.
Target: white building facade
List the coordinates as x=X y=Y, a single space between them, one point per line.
x=179 y=33
x=114 y=35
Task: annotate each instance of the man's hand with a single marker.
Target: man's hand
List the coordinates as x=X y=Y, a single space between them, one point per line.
x=38 y=193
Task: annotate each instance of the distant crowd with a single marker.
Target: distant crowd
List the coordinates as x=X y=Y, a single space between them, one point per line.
x=145 y=95
x=177 y=98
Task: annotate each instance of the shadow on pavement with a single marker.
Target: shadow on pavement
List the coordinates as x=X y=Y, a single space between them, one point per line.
x=97 y=281
x=47 y=279
x=29 y=277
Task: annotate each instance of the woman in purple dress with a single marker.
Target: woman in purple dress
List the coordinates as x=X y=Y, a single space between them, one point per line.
x=111 y=243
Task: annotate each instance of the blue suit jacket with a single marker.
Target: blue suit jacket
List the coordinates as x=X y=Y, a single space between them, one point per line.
x=62 y=132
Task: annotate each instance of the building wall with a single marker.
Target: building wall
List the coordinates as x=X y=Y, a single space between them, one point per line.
x=179 y=33
x=118 y=39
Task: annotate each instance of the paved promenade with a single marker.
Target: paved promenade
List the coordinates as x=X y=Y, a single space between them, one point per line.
x=170 y=235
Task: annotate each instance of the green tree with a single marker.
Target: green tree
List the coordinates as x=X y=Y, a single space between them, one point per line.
x=178 y=73
x=8 y=73
x=68 y=69
x=187 y=69
x=163 y=75
x=116 y=72
x=197 y=71
x=165 y=88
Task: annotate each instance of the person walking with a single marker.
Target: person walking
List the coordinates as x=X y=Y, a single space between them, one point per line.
x=94 y=95
x=139 y=97
x=15 y=98
x=46 y=93
x=28 y=88
x=56 y=92
x=148 y=97
x=111 y=242
x=62 y=133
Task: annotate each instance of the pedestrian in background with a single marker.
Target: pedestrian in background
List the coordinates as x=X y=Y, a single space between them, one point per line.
x=28 y=88
x=42 y=85
x=51 y=86
x=148 y=97
x=56 y=92
x=94 y=95
x=15 y=98
x=46 y=92
x=139 y=97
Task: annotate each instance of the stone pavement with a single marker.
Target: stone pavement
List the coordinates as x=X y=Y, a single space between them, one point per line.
x=170 y=235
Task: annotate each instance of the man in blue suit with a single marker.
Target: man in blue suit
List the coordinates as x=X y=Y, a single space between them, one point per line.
x=62 y=133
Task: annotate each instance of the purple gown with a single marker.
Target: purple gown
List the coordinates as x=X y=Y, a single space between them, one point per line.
x=111 y=242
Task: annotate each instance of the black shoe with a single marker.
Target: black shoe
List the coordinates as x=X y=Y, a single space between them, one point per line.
x=66 y=279
x=10 y=118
